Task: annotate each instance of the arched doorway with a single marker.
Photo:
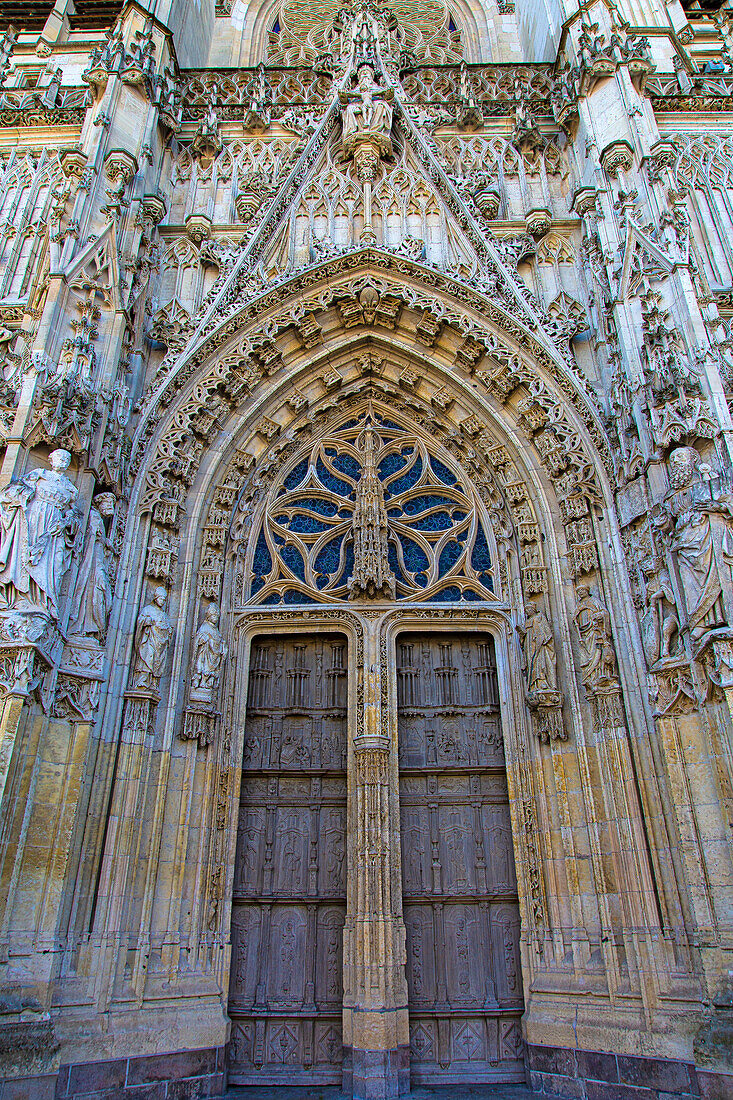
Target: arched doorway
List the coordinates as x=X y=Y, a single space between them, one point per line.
x=370 y=522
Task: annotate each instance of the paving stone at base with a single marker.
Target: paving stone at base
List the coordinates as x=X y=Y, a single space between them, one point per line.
x=182 y=1075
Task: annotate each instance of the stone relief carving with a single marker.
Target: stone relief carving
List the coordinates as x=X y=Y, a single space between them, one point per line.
x=597 y=656
x=153 y=635
x=539 y=661
x=38 y=528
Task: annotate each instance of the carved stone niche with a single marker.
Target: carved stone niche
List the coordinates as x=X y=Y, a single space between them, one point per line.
x=30 y=645
x=546 y=708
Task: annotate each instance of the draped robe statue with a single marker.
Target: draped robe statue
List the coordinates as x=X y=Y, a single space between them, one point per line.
x=93 y=594
x=38 y=526
x=152 y=637
x=538 y=645
x=367 y=113
x=209 y=652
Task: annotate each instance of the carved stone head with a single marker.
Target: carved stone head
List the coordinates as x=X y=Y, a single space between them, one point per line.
x=105 y=503
x=160 y=596
x=683 y=465
x=60 y=459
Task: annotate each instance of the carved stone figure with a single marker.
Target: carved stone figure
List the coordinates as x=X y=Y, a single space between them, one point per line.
x=152 y=638
x=703 y=544
x=38 y=526
x=659 y=622
x=368 y=113
x=209 y=652
x=593 y=622
x=538 y=643
x=93 y=595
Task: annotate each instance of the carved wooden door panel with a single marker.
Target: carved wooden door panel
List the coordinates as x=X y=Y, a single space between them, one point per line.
x=459 y=883
x=289 y=887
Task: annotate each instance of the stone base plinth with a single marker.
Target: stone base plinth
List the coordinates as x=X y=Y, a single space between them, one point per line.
x=593 y=1075
x=189 y=1074
x=376 y=1074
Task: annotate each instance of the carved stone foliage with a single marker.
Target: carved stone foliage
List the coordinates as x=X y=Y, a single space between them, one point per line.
x=370 y=506
x=290 y=874
x=459 y=883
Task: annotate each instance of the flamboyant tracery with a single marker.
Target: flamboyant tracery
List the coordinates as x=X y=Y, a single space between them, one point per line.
x=320 y=537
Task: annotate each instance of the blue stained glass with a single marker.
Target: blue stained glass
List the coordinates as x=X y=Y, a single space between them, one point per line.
x=394 y=513
x=415 y=557
x=292 y=596
x=294 y=560
x=277 y=539
x=330 y=481
x=442 y=472
x=273 y=598
x=327 y=559
x=257 y=584
x=480 y=556
x=449 y=555
x=348 y=561
x=470 y=596
x=451 y=594
x=262 y=562
x=317 y=505
x=391 y=464
x=296 y=475
x=401 y=484
x=395 y=565
x=421 y=504
x=348 y=424
x=304 y=525
x=436 y=521
x=421 y=579
x=391 y=424
x=347 y=464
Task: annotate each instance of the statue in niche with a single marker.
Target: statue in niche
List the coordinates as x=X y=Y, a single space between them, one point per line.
x=702 y=541
x=209 y=652
x=93 y=595
x=152 y=638
x=538 y=645
x=38 y=528
x=368 y=113
x=593 y=623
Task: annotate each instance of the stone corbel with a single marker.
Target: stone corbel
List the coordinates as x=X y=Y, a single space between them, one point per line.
x=546 y=708
x=199 y=724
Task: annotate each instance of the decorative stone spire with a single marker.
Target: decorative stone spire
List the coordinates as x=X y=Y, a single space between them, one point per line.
x=372 y=575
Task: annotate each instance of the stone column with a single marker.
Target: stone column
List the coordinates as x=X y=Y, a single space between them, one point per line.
x=376 y=1032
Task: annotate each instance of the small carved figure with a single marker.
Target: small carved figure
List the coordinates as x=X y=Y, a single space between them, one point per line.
x=93 y=595
x=38 y=526
x=703 y=543
x=538 y=644
x=659 y=622
x=593 y=622
x=368 y=113
x=209 y=652
x=152 y=638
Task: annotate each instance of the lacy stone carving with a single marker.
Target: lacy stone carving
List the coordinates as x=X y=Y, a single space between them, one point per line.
x=152 y=638
x=38 y=526
x=209 y=653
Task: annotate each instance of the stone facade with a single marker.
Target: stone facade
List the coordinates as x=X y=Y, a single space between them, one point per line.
x=366 y=547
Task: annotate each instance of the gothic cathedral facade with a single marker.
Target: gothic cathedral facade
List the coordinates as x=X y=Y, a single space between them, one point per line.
x=366 y=547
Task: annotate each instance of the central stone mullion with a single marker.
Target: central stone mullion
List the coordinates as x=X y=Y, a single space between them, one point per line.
x=375 y=1002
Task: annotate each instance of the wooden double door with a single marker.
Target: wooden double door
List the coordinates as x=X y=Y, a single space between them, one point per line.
x=459 y=886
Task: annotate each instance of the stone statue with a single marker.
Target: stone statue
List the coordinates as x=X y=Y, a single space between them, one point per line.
x=659 y=623
x=703 y=543
x=38 y=526
x=593 y=623
x=368 y=113
x=93 y=594
x=152 y=638
x=538 y=644
x=209 y=652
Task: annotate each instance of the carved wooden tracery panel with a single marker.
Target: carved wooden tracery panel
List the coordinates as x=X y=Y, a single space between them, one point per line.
x=290 y=875
x=459 y=884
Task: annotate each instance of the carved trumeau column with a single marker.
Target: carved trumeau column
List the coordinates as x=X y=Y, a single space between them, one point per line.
x=376 y=1036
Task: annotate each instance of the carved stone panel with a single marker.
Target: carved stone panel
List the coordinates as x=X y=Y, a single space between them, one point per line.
x=289 y=905
x=459 y=881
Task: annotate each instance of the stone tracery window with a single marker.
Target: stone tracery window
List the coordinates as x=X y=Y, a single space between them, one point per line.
x=371 y=500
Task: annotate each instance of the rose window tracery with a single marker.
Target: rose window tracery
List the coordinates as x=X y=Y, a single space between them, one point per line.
x=371 y=511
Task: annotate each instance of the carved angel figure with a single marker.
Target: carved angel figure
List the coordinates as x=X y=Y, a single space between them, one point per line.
x=368 y=112
x=152 y=638
x=38 y=526
x=93 y=594
x=598 y=659
x=209 y=652
x=538 y=643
